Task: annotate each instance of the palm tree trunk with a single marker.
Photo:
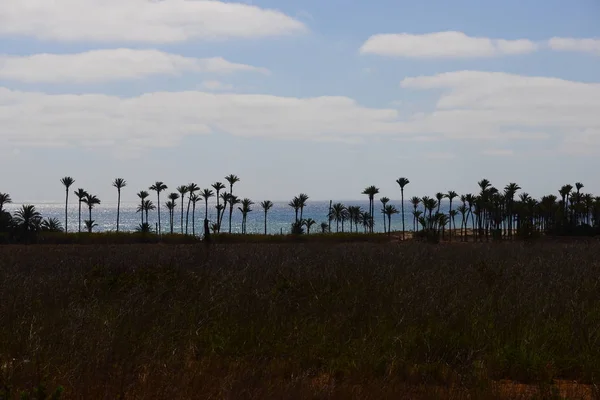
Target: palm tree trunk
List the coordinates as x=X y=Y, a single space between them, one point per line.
x=158 y=208
x=402 y=206
x=389 y=224
x=79 y=216
x=182 y=200
x=194 y=219
x=118 y=208
x=142 y=212
x=265 y=221
x=230 y=215
x=206 y=208
x=384 y=230
x=187 y=213
x=66 y=204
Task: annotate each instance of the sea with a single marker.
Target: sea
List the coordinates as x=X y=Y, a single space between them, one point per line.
x=279 y=218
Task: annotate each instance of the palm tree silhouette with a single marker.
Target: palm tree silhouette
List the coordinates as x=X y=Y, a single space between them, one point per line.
x=173 y=198
x=206 y=194
x=142 y=196
x=509 y=195
x=218 y=186
x=324 y=227
x=51 y=225
x=371 y=191
x=415 y=201
x=27 y=218
x=183 y=189
x=389 y=210
x=67 y=181
x=225 y=198
x=194 y=198
x=337 y=214
x=302 y=198
x=146 y=207
x=309 y=223
x=170 y=206
x=91 y=201
x=192 y=189
x=402 y=182
x=232 y=179
x=119 y=183
x=451 y=195
x=245 y=209
x=158 y=187
x=266 y=206
x=296 y=205
x=384 y=201
x=80 y=193
x=4 y=199
x=232 y=200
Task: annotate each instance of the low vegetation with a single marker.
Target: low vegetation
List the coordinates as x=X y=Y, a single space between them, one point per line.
x=303 y=320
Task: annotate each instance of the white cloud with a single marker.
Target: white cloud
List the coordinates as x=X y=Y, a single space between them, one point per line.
x=216 y=85
x=162 y=119
x=147 y=21
x=487 y=105
x=110 y=64
x=572 y=44
x=443 y=44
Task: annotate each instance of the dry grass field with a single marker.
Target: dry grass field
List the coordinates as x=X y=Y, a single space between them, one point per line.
x=301 y=320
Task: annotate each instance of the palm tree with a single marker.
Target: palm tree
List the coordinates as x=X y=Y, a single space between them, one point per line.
x=170 y=206
x=371 y=191
x=337 y=214
x=439 y=197
x=147 y=206
x=206 y=194
x=232 y=179
x=266 y=206
x=194 y=198
x=389 y=210
x=367 y=221
x=303 y=198
x=119 y=183
x=51 y=225
x=509 y=194
x=91 y=224
x=91 y=201
x=451 y=195
x=183 y=189
x=402 y=182
x=173 y=198
x=158 y=187
x=4 y=199
x=218 y=186
x=245 y=209
x=192 y=188
x=324 y=227
x=225 y=199
x=80 y=193
x=142 y=196
x=296 y=205
x=67 y=181
x=232 y=200
x=384 y=201
x=309 y=223
x=415 y=203
x=27 y=218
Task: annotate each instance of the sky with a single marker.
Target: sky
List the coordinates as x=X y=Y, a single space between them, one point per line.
x=312 y=96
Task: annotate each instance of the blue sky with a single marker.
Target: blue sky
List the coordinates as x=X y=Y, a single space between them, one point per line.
x=321 y=97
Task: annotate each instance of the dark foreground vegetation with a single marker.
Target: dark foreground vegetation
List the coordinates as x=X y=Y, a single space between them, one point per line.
x=312 y=320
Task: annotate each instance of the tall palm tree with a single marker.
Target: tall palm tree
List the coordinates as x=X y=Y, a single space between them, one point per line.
x=80 y=193
x=206 y=194
x=192 y=189
x=439 y=197
x=225 y=199
x=509 y=194
x=295 y=204
x=232 y=179
x=91 y=201
x=232 y=200
x=337 y=214
x=183 y=189
x=142 y=195
x=194 y=198
x=170 y=206
x=371 y=191
x=4 y=199
x=266 y=206
x=451 y=195
x=173 y=198
x=158 y=187
x=147 y=206
x=303 y=198
x=67 y=181
x=245 y=209
x=119 y=183
x=384 y=201
x=402 y=182
x=389 y=210
x=218 y=186
x=309 y=223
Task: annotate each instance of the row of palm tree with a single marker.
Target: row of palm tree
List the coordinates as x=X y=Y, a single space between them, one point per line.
x=490 y=212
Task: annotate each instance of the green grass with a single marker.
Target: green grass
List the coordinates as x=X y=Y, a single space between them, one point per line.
x=301 y=320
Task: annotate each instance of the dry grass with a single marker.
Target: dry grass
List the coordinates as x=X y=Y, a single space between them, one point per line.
x=309 y=320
